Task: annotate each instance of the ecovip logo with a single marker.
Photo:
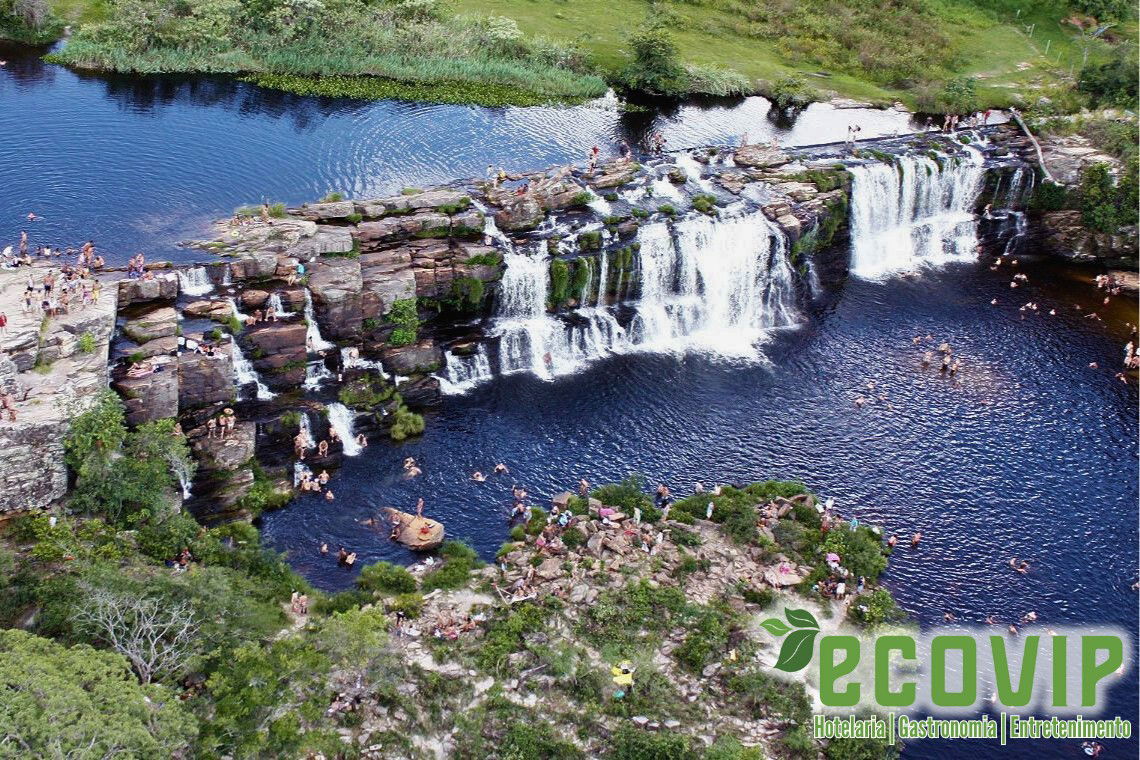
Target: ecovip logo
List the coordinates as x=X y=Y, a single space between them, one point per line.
x=958 y=671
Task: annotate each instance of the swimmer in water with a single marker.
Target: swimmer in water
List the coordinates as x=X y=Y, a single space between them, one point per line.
x=1023 y=568
x=927 y=358
x=501 y=469
x=914 y=540
x=420 y=507
x=478 y=477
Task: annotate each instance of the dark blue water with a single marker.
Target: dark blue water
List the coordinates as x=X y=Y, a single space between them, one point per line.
x=1028 y=452
x=139 y=163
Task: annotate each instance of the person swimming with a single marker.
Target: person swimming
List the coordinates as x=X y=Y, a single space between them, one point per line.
x=478 y=476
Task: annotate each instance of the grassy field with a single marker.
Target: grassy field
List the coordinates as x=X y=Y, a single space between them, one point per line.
x=1015 y=52
x=987 y=39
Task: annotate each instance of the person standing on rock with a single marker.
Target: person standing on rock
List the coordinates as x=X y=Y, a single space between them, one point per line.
x=3 y=323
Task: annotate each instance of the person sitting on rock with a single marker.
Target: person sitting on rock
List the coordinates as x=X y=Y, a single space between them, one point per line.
x=299 y=445
x=323 y=449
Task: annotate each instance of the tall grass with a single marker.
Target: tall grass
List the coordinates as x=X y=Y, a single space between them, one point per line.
x=409 y=42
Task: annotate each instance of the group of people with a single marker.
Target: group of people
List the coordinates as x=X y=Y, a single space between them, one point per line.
x=479 y=477
x=58 y=292
x=136 y=268
x=308 y=483
x=218 y=427
x=947 y=364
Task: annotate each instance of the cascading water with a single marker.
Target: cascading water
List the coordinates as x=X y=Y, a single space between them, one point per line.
x=341 y=420
x=313 y=335
x=245 y=374
x=713 y=284
x=918 y=212
x=462 y=373
x=195 y=281
x=277 y=306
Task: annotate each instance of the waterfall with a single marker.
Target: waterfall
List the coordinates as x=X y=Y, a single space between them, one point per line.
x=462 y=373
x=919 y=212
x=299 y=473
x=306 y=429
x=340 y=419
x=277 y=306
x=315 y=373
x=714 y=285
x=313 y=335
x=245 y=374
x=598 y=204
x=195 y=281
x=692 y=170
x=182 y=472
x=237 y=312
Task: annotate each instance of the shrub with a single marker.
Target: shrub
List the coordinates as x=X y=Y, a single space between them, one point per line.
x=765 y=696
x=959 y=95
x=342 y=601
x=628 y=495
x=667 y=209
x=706 y=640
x=705 y=203
x=411 y=604
x=466 y=294
x=386 y=578
x=1100 y=201
x=559 y=282
x=590 y=241
x=763 y=597
x=355 y=218
x=332 y=197
x=1048 y=196
x=504 y=634
x=459 y=561
x=405 y=316
x=633 y=744
x=86 y=343
x=405 y=423
x=656 y=67
x=494 y=258
x=876 y=608
x=638 y=212
x=792 y=92
x=581 y=199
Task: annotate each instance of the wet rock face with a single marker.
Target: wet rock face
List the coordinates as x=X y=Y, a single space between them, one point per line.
x=1064 y=233
x=760 y=156
x=337 y=286
x=159 y=323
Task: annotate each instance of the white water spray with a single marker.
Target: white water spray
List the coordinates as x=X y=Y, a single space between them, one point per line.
x=195 y=281
x=245 y=374
x=919 y=212
x=341 y=420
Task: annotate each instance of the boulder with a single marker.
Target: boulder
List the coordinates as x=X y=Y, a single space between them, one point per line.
x=227 y=454
x=204 y=380
x=162 y=287
x=253 y=298
x=435 y=198
x=526 y=214
x=251 y=266
x=760 y=156
x=418 y=358
x=423 y=224
x=422 y=392
x=326 y=240
x=614 y=174
x=317 y=212
x=159 y=323
x=156 y=347
x=215 y=310
x=336 y=285
x=152 y=397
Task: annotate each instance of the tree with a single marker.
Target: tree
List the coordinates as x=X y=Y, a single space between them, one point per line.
x=1098 y=199
x=125 y=476
x=656 y=68
x=81 y=703
x=155 y=635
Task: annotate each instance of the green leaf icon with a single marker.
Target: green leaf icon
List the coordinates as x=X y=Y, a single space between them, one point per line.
x=775 y=627
x=797 y=650
x=801 y=619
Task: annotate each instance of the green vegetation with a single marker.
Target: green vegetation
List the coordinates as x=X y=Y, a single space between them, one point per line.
x=124 y=476
x=492 y=259
x=405 y=317
x=414 y=49
x=1105 y=206
x=559 y=283
x=86 y=343
x=705 y=203
x=386 y=578
x=459 y=560
x=590 y=241
x=366 y=393
x=466 y=294
x=405 y=422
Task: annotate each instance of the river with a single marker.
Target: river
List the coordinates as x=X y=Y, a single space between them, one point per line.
x=1028 y=452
